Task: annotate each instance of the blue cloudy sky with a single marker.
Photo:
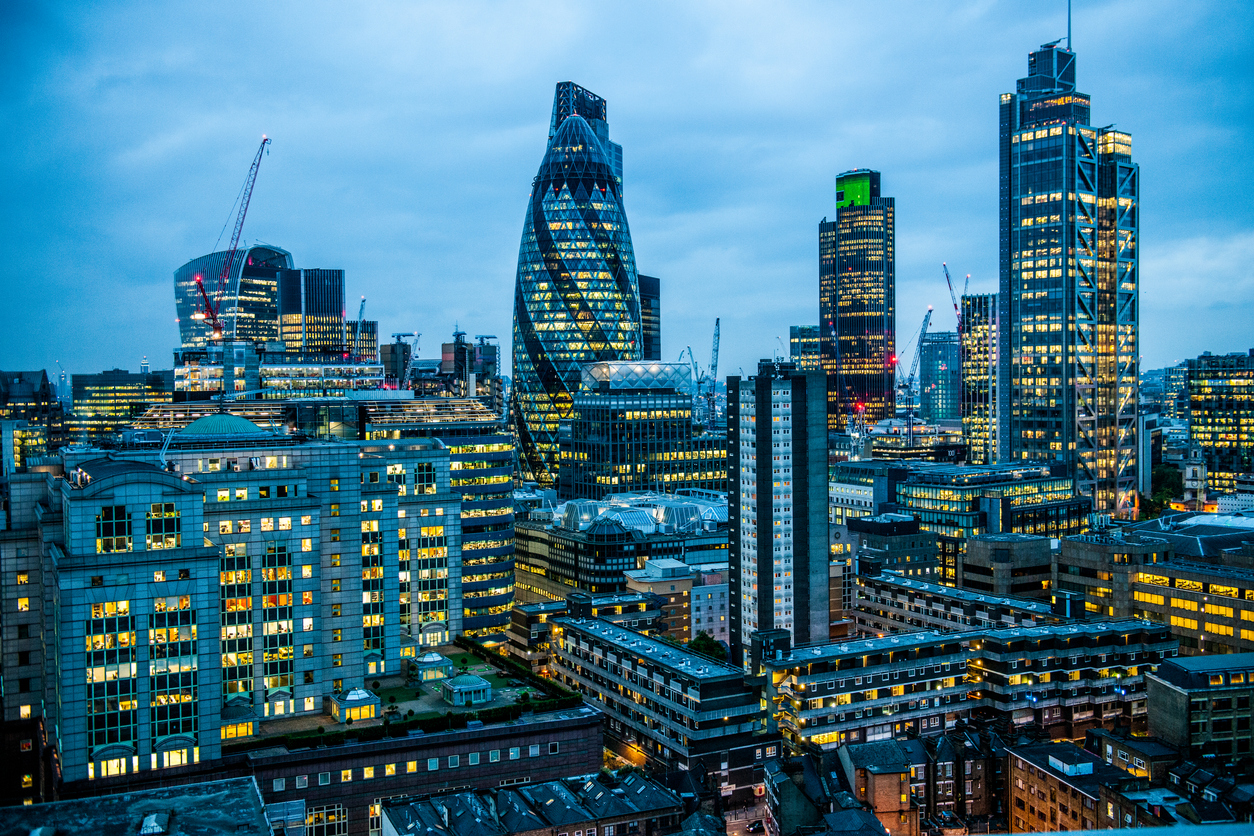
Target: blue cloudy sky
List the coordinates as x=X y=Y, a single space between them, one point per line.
x=406 y=135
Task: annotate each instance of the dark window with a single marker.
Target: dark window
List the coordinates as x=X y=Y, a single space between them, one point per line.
x=97 y=580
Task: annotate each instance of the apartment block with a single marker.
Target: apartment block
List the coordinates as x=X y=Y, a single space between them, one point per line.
x=888 y=603
x=1201 y=704
x=664 y=706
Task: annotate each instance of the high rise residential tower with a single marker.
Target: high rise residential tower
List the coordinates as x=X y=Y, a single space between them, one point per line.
x=577 y=296
x=1070 y=199
x=857 y=301
x=777 y=506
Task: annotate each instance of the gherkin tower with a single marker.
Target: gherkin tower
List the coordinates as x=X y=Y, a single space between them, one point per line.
x=576 y=297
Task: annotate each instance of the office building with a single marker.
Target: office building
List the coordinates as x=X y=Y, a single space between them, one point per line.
x=857 y=301
x=891 y=542
x=395 y=357
x=322 y=306
x=480 y=454
x=961 y=502
x=248 y=300
x=980 y=343
x=1008 y=563
x=1176 y=392
x=267 y=371
x=940 y=377
x=473 y=370
x=777 y=510
x=364 y=348
x=1139 y=756
x=1065 y=678
x=863 y=488
x=577 y=295
x=632 y=429
x=30 y=397
x=1070 y=203
x=651 y=318
x=663 y=705
x=1221 y=415
x=108 y=402
x=1201 y=704
x=635 y=805
x=588 y=545
x=804 y=347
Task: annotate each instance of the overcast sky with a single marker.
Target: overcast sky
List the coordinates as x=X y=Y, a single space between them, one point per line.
x=406 y=136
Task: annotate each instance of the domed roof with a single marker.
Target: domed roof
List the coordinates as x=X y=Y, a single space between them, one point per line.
x=222 y=423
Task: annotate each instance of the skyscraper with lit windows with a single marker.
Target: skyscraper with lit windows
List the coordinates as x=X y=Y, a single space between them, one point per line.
x=577 y=295
x=1070 y=197
x=857 y=301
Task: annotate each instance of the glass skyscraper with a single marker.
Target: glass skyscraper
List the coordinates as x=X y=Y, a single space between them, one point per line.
x=250 y=307
x=1069 y=289
x=857 y=301
x=577 y=296
x=651 y=318
x=940 y=377
x=980 y=342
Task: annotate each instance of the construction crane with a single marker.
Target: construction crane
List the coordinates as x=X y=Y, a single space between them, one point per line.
x=409 y=361
x=713 y=375
x=907 y=388
x=212 y=306
x=361 y=314
x=954 y=296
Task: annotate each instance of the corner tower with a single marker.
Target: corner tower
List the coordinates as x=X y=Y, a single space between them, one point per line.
x=576 y=296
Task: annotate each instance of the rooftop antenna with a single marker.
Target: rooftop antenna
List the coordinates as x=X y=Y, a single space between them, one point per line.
x=1069 y=26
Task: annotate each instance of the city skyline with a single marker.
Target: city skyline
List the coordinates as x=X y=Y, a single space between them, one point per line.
x=726 y=171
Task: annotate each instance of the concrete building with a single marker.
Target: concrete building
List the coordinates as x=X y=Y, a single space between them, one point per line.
x=891 y=603
x=1201 y=704
x=529 y=628
x=710 y=601
x=672 y=581
x=108 y=402
x=1065 y=678
x=1007 y=564
x=665 y=706
x=1141 y=757
x=777 y=511
x=892 y=542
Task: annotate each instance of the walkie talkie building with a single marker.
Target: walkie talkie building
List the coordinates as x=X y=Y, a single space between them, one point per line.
x=577 y=297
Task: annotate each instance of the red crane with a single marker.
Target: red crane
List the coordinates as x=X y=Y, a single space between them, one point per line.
x=213 y=306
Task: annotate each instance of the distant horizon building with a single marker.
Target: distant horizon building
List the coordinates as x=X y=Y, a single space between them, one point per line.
x=651 y=318
x=857 y=301
x=805 y=347
x=1070 y=201
x=980 y=342
x=940 y=377
x=106 y=403
x=1221 y=415
x=777 y=507
x=249 y=307
x=577 y=294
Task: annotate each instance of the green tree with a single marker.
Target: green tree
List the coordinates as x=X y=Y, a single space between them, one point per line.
x=705 y=644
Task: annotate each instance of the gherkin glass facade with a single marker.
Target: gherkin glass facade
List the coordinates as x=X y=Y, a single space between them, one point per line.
x=577 y=296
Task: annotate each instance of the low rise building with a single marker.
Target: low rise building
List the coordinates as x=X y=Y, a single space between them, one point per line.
x=665 y=706
x=1059 y=786
x=893 y=542
x=672 y=581
x=1065 y=678
x=528 y=634
x=1007 y=564
x=891 y=603
x=1139 y=756
x=584 y=803
x=709 y=601
x=880 y=776
x=1201 y=704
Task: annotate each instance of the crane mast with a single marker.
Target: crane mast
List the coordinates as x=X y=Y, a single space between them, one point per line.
x=361 y=314
x=908 y=386
x=213 y=306
x=953 y=297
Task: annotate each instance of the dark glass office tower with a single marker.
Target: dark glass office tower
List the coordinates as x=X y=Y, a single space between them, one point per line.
x=651 y=318
x=249 y=308
x=803 y=347
x=857 y=301
x=980 y=343
x=940 y=377
x=323 y=306
x=576 y=297
x=1069 y=289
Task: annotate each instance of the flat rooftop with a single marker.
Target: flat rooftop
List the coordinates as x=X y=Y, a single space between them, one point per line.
x=673 y=656
x=941 y=591
x=212 y=808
